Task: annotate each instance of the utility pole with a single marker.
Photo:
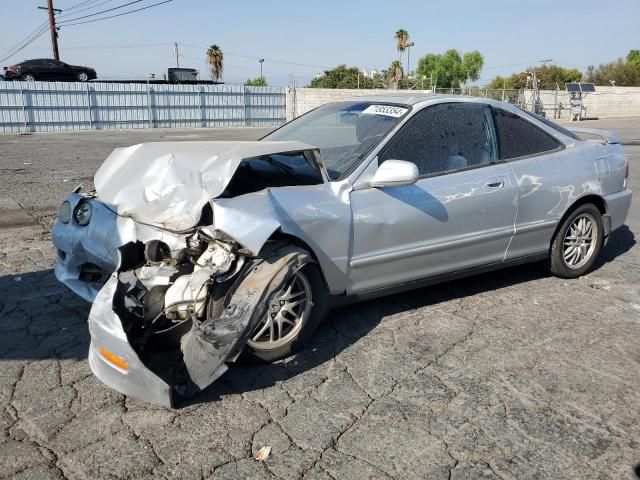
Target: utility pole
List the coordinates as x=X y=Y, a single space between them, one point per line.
x=52 y=27
x=261 y=61
x=177 y=52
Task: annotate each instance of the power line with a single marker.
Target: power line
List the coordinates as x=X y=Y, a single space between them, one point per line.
x=27 y=41
x=73 y=7
x=101 y=12
x=118 y=15
x=258 y=58
x=17 y=45
x=85 y=8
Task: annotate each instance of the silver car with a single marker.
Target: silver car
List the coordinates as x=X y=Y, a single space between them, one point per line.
x=197 y=254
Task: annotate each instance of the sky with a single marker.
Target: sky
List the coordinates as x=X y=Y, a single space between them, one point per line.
x=300 y=39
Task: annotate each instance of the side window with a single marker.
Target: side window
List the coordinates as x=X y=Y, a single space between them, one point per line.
x=518 y=137
x=445 y=138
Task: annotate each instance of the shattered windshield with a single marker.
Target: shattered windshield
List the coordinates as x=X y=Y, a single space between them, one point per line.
x=344 y=132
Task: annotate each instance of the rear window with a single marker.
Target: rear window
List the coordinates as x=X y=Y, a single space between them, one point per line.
x=553 y=125
x=520 y=138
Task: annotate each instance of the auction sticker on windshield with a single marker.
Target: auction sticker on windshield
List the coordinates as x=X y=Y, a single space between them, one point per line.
x=388 y=110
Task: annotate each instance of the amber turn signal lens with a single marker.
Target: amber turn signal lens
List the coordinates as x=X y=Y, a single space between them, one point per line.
x=113 y=359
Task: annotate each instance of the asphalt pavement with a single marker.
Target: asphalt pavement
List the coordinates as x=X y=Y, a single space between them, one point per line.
x=509 y=375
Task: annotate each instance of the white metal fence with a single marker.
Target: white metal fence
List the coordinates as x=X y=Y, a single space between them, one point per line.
x=57 y=106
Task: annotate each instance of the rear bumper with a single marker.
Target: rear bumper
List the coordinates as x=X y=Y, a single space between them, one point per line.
x=618 y=205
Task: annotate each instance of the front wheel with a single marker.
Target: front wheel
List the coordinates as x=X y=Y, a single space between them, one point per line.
x=83 y=77
x=577 y=243
x=293 y=314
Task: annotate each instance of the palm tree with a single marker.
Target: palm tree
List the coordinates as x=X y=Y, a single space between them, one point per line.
x=394 y=74
x=402 y=38
x=215 y=57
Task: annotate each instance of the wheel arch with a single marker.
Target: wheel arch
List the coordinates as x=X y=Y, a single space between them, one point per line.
x=279 y=236
x=596 y=200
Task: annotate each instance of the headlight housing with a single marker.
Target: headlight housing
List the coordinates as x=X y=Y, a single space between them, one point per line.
x=64 y=212
x=82 y=213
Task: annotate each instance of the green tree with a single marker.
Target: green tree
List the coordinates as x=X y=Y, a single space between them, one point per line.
x=498 y=83
x=450 y=70
x=623 y=73
x=343 y=77
x=394 y=74
x=215 y=59
x=548 y=76
x=634 y=57
x=256 y=82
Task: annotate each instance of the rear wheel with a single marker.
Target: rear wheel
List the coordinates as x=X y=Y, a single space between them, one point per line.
x=577 y=243
x=28 y=77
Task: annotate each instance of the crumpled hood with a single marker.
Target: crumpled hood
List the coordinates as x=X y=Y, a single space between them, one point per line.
x=168 y=183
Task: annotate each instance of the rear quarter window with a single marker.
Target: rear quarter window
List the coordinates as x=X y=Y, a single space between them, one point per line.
x=519 y=138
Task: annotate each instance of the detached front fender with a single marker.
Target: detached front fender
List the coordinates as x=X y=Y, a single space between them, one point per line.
x=211 y=343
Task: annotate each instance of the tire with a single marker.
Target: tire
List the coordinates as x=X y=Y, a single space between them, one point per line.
x=83 y=77
x=260 y=350
x=257 y=351
x=577 y=243
x=28 y=77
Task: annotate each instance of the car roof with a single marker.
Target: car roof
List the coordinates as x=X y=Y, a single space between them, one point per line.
x=415 y=98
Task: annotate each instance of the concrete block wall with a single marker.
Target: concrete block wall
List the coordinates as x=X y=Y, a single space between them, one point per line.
x=301 y=100
x=606 y=102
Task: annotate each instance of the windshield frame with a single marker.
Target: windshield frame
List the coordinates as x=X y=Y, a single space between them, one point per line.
x=365 y=155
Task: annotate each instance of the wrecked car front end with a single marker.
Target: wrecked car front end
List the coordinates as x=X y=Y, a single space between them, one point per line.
x=174 y=297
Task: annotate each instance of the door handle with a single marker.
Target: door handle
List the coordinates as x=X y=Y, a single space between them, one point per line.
x=496 y=184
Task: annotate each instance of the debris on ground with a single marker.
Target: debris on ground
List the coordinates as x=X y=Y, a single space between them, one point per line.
x=262 y=454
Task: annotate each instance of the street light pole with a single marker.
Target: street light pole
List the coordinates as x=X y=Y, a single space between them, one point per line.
x=408 y=46
x=261 y=60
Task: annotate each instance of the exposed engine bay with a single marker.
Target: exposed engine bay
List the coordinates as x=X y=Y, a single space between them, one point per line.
x=186 y=313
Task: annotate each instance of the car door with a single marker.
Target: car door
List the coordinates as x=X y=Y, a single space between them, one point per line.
x=35 y=68
x=546 y=174
x=56 y=70
x=459 y=214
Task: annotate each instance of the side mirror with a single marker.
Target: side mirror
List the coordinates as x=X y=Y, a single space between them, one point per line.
x=395 y=173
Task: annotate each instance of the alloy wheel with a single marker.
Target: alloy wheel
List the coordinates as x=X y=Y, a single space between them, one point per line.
x=580 y=241
x=286 y=315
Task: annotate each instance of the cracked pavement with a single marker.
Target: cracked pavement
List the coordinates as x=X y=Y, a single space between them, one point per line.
x=509 y=375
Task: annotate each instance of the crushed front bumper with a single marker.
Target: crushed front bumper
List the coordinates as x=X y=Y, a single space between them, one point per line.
x=130 y=375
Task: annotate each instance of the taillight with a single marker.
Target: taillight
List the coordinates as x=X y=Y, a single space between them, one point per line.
x=12 y=68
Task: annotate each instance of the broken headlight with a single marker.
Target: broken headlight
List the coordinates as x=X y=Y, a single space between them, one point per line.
x=82 y=213
x=64 y=212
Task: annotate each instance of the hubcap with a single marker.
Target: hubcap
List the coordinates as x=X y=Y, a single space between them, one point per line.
x=83 y=77
x=285 y=316
x=580 y=241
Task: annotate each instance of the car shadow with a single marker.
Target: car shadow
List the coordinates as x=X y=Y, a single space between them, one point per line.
x=620 y=241
x=347 y=325
x=42 y=319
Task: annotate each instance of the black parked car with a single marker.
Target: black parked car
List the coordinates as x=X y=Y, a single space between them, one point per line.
x=48 y=69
